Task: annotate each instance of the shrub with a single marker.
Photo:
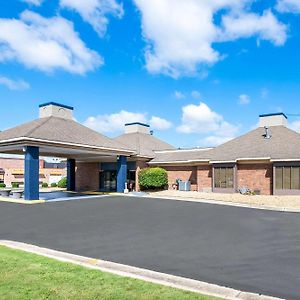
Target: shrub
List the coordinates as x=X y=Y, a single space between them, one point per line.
x=45 y=185
x=54 y=184
x=2 y=185
x=62 y=183
x=15 y=185
x=153 y=178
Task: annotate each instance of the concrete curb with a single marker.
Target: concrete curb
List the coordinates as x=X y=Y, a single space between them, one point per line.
x=219 y=202
x=138 y=273
x=75 y=198
x=20 y=201
x=43 y=201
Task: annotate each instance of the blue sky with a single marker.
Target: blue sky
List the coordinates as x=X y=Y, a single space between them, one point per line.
x=200 y=72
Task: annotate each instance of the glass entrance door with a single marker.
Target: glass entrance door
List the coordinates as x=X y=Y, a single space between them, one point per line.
x=108 y=181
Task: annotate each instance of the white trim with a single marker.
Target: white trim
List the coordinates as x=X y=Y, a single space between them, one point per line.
x=287 y=160
x=222 y=161
x=183 y=150
x=178 y=162
x=254 y=158
x=22 y=139
x=238 y=159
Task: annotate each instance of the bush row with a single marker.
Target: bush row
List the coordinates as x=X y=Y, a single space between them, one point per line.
x=62 y=184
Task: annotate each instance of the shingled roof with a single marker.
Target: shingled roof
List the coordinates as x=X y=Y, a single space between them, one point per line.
x=284 y=144
x=60 y=130
x=144 y=145
x=182 y=156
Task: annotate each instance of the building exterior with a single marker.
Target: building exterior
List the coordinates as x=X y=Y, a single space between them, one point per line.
x=12 y=171
x=265 y=160
x=137 y=138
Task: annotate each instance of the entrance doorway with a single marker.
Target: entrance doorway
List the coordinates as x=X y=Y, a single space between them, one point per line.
x=108 y=181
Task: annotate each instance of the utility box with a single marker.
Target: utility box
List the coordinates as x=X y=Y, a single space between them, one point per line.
x=184 y=186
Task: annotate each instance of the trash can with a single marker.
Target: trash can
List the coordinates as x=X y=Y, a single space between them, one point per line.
x=184 y=186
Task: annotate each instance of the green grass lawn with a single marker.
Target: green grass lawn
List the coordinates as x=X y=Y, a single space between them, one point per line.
x=28 y=276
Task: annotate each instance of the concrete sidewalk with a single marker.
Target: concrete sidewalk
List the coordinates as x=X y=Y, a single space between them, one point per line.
x=275 y=203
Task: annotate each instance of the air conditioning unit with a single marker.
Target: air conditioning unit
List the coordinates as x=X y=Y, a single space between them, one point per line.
x=184 y=186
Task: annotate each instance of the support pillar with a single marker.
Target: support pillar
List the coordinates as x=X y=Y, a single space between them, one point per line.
x=71 y=166
x=31 y=190
x=121 y=173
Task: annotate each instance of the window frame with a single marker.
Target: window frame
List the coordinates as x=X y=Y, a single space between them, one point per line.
x=224 y=189
x=284 y=190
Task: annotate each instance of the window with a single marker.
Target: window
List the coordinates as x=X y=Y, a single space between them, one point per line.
x=287 y=178
x=224 y=177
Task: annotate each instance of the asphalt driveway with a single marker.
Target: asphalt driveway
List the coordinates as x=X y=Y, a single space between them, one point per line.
x=252 y=250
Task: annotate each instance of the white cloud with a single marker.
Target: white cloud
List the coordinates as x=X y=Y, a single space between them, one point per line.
x=14 y=84
x=245 y=25
x=159 y=123
x=179 y=95
x=45 y=44
x=114 y=123
x=196 y=94
x=95 y=11
x=295 y=125
x=201 y=119
x=180 y=34
x=288 y=6
x=33 y=2
x=244 y=99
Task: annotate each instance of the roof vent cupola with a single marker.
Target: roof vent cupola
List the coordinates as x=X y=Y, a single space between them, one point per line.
x=53 y=109
x=269 y=120
x=137 y=127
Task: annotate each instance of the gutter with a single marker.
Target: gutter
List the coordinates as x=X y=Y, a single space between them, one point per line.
x=24 y=140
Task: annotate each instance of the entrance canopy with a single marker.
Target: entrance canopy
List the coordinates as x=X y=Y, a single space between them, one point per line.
x=56 y=133
x=60 y=137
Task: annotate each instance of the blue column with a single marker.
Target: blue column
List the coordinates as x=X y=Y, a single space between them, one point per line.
x=122 y=173
x=31 y=191
x=71 y=164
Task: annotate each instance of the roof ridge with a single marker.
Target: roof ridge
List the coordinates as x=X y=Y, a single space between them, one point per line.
x=138 y=144
x=37 y=127
x=98 y=133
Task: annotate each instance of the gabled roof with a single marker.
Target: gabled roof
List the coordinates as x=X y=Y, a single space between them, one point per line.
x=59 y=130
x=284 y=144
x=182 y=156
x=144 y=145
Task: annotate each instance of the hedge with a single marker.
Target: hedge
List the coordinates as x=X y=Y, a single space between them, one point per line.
x=45 y=185
x=54 y=184
x=2 y=185
x=15 y=185
x=62 y=183
x=153 y=178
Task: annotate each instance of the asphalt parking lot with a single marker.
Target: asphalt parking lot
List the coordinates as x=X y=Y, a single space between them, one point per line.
x=252 y=250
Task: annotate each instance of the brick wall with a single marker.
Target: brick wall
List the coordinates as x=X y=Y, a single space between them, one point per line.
x=15 y=163
x=204 y=178
x=87 y=176
x=14 y=171
x=184 y=173
x=256 y=177
x=139 y=166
